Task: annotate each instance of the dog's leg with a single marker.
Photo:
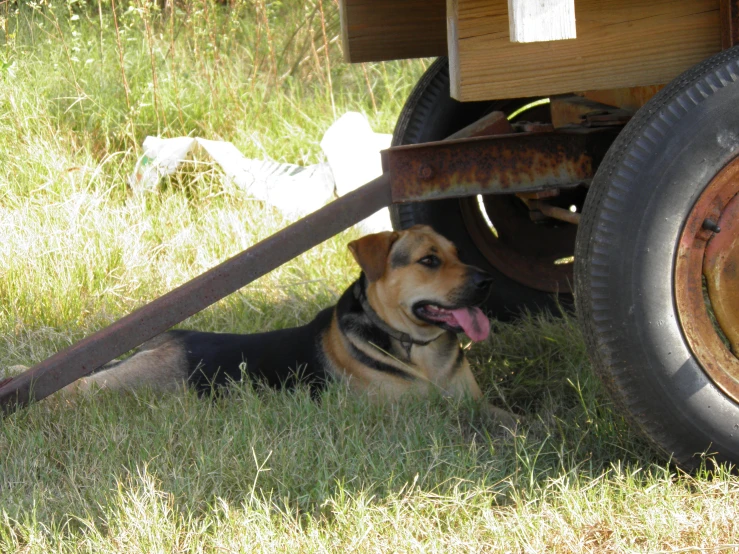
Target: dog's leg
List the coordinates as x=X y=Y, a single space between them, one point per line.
x=10 y=372
x=464 y=383
x=164 y=368
x=13 y=370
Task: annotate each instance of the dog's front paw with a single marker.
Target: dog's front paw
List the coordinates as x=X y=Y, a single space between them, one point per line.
x=502 y=417
x=80 y=386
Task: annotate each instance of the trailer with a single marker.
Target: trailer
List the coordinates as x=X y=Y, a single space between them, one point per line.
x=586 y=154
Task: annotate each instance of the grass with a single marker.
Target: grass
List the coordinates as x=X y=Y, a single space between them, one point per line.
x=261 y=470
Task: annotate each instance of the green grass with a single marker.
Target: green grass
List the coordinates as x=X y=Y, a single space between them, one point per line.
x=260 y=470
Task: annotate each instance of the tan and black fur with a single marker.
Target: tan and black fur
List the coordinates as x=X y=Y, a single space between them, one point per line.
x=375 y=338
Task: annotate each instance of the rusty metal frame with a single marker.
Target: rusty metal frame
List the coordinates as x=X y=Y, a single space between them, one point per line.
x=500 y=164
x=521 y=162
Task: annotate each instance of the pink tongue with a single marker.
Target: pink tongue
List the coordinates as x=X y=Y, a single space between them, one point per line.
x=473 y=322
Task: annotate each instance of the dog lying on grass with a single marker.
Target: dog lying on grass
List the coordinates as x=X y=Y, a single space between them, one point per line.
x=392 y=332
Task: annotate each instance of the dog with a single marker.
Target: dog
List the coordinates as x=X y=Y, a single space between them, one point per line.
x=392 y=332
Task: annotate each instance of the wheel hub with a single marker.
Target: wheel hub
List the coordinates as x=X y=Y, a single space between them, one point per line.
x=707 y=279
x=721 y=269
x=519 y=248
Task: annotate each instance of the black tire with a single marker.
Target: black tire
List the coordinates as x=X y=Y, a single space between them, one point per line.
x=431 y=114
x=625 y=261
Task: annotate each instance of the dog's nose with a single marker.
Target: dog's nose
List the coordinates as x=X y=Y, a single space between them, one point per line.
x=481 y=279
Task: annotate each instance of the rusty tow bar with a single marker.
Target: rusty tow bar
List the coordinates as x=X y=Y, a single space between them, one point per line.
x=161 y=314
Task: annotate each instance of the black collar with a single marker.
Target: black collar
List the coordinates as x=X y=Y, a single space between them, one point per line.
x=405 y=340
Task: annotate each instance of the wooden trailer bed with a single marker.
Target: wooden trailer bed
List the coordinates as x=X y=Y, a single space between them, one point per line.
x=619 y=44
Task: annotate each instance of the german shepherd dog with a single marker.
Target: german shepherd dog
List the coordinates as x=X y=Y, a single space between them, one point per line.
x=393 y=331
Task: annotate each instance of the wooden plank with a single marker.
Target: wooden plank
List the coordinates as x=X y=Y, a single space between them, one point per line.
x=620 y=43
x=627 y=98
x=379 y=30
x=541 y=20
x=729 y=10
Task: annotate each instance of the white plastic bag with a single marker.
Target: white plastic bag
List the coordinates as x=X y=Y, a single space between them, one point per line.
x=350 y=145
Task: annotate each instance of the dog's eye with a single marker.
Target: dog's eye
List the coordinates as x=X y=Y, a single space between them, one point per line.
x=430 y=261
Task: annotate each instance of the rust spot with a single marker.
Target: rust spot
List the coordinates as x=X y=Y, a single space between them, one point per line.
x=705 y=254
x=719 y=267
x=426 y=172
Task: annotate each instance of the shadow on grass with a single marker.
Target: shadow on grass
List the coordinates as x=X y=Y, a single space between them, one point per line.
x=64 y=460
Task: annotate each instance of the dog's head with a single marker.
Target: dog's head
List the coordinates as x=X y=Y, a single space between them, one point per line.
x=417 y=283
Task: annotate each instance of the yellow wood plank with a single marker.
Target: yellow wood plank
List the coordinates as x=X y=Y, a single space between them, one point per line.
x=378 y=30
x=620 y=43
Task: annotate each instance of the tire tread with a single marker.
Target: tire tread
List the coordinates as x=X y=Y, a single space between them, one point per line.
x=603 y=208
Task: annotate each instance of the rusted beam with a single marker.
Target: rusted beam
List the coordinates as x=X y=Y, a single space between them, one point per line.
x=522 y=162
x=729 y=18
x=156 y=317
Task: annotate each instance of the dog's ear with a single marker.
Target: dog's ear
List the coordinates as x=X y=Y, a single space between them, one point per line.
x=371 y=253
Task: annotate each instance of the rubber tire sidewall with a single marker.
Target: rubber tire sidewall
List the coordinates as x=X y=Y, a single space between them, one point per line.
x=430 y=114
x=625 y=261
